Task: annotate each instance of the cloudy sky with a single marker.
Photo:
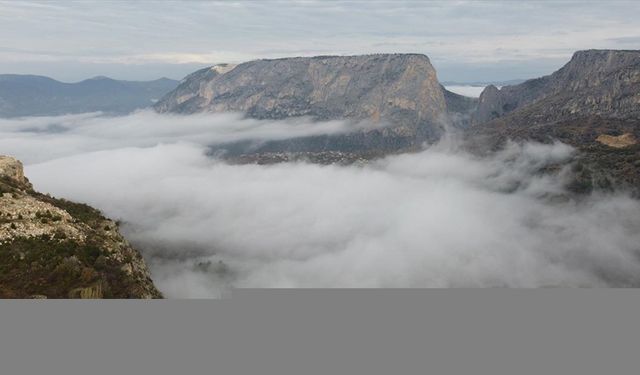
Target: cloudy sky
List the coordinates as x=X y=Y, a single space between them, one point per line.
x=466 y=40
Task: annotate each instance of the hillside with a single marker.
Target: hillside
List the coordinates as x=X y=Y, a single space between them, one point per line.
x=592 y=103
x=28 y=95
x=53 y=248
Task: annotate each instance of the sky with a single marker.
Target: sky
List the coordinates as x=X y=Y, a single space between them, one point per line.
x=466 y=40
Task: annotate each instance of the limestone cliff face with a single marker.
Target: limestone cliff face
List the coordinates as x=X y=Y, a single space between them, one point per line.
x=401 y=89
x=54 y=248
x=596 y=93
x=595 y=82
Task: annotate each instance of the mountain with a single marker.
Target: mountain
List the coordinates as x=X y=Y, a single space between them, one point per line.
x=400 y=90
x=29 y=95
x=54 y=248
x=392 y=87
x=591 y=103
x=595 y=82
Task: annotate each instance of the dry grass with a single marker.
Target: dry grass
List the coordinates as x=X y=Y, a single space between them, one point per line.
x=621 y=141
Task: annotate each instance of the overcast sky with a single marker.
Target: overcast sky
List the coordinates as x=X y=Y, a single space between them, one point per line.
x=466 y=40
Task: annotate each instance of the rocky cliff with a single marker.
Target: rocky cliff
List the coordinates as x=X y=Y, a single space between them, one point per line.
x=53 y=248
x=591 y=103
x=399 y=88
x=594 y=83
x=400 y=91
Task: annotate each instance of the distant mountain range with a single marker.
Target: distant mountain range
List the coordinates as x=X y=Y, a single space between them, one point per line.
x=30 y=95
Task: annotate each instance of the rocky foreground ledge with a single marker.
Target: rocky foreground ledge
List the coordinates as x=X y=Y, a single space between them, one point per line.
x=54 y=248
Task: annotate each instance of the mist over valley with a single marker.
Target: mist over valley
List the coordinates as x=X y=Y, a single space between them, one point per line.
x=297 y=150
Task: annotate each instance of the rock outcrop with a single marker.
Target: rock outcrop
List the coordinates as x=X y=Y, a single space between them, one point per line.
x=54 y=248
x=12 y=169
x=399 y=91
x=399 y=88
x=620 y=141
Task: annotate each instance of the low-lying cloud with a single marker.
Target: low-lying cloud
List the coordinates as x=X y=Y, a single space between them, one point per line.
x=466 y=90
x=37 y=139
x=439 y=218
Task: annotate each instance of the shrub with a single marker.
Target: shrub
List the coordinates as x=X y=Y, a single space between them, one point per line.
x=61 y=235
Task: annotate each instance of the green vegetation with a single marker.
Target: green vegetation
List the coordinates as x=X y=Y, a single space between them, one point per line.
x=47 y=216
x=611 y=169
x=95 y=264
x=79 y=211
x=7 y=186
x=44 y=265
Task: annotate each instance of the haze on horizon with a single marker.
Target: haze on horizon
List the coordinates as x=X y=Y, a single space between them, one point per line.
x=491 y=41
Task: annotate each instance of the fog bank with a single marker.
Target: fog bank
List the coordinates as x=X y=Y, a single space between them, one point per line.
x=466 y=90
x=36 y=139
x=439 y=218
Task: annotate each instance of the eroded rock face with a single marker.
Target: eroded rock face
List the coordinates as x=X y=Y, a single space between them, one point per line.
x=396 y=99
x=53 y=248
x=400 y=88
x=594 y=83
x=13 y=170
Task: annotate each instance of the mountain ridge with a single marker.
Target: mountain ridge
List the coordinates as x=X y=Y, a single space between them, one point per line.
x=34 y=95
x=586 y=75
x=591 y=103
